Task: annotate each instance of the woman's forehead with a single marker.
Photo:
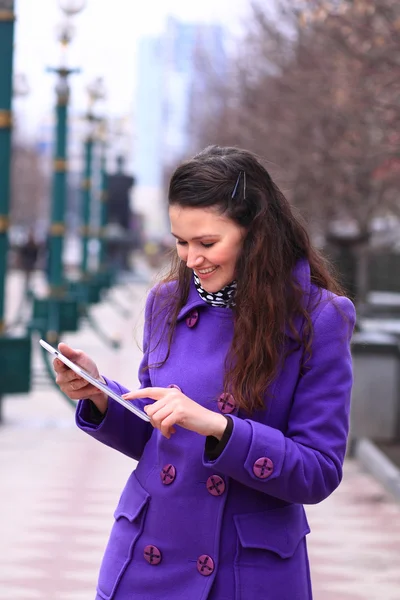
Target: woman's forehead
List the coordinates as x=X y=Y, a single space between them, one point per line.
x=198 y=219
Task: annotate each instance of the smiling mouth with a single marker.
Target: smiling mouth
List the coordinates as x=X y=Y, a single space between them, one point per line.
x=206 y=271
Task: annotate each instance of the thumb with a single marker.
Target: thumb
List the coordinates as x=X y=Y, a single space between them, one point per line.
x=69 y=352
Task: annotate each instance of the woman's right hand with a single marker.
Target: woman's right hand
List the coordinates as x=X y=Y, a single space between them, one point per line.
x=76 y=387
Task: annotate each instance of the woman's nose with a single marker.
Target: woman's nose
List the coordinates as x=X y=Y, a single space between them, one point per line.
x=194 y=259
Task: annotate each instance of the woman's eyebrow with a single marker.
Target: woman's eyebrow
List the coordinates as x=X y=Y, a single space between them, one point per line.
x=198 y=237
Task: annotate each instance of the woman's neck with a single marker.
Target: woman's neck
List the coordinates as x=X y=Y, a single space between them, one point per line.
x=223 y=298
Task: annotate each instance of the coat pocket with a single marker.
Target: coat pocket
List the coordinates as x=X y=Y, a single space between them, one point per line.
x=271 y=560
x=129 y=521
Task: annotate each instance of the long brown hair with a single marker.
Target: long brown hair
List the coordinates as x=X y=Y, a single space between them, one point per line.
x=268 y=298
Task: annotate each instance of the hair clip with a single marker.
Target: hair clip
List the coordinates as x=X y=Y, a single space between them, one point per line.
x=237 y=183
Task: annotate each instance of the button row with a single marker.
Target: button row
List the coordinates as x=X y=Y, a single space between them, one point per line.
x=214 y=484
x=205 y=564
x=262 y=468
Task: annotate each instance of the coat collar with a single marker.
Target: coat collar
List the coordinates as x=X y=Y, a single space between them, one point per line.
x=301 y=274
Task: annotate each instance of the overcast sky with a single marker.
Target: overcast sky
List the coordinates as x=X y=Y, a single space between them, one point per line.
x=107 y=32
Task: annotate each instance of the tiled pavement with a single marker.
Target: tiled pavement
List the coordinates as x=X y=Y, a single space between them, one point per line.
x=354 y=543
x=59 y=489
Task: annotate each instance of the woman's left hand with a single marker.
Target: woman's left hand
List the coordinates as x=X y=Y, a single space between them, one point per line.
x=172 y=407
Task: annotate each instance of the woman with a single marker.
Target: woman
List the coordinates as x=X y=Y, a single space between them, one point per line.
x=246 y=376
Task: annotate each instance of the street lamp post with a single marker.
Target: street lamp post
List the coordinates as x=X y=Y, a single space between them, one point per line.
x=59 y=312
x=103 y=200
x=7 y=18
x=59 y=189
x=86 y=198
x=91 y=284
x=15 y=351
x=95 y=92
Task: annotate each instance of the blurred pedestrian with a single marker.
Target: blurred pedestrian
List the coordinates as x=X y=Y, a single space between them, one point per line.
x=28 y=256
x=246 y=376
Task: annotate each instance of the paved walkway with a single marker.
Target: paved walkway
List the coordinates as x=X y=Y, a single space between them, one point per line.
x=60 y=487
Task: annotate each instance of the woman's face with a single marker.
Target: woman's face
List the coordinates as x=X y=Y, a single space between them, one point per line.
x=208 y=242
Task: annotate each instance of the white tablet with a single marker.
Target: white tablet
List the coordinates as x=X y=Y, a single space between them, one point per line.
x=99 y=384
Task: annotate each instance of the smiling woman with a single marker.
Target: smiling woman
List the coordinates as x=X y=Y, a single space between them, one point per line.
x=246 y=377
x=208 y=242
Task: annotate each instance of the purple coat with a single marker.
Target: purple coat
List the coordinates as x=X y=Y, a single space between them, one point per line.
x=187 y=528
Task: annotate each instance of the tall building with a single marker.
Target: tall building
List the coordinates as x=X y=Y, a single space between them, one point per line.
x=166 y=72
x=148 y=139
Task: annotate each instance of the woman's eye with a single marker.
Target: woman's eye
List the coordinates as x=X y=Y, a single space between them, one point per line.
x=182 y=243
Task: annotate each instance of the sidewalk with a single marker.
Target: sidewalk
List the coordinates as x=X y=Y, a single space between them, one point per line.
x=60 y=489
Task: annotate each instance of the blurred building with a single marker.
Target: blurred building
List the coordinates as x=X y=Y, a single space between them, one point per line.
x=166 y=72
x=148 y=142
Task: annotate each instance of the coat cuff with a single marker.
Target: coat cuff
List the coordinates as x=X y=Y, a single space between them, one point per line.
x=96 y=416
x=88 y=417
x=254 y=453
x=214 y=447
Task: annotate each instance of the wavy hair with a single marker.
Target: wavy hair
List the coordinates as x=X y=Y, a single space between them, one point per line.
x=268 y=299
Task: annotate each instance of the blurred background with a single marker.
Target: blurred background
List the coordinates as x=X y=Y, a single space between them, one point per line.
x=311 y=86
x=99 y=102
x=146 y=64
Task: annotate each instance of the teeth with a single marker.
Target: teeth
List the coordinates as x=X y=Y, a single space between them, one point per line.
x=205 y=271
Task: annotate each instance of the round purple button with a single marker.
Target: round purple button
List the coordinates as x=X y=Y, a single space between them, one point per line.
x=205 y=565
x=192 y=318
x=168 y=474
x=152 y=555
x=226 y=403
x=215 y=485
x=263 y=467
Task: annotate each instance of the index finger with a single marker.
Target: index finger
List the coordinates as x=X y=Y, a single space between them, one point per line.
x=155 y=393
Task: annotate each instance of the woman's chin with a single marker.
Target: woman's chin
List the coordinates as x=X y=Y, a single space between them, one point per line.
x=212 y=288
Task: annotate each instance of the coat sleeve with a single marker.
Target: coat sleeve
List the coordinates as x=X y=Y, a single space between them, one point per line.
x=120 y=429
x=304 y=465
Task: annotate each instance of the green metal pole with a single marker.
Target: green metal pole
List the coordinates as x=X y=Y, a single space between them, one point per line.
x=59 y=190
x=7 y=18
x=58 y=202
x=103 y=206
x=86 y=203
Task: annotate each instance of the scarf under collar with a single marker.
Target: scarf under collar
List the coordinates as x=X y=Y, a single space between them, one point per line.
x=224 y=297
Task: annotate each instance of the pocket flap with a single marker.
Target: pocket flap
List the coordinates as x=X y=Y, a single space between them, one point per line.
x=278 y=530
x=133 y=499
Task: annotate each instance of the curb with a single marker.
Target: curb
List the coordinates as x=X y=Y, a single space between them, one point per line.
x=378 y=465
